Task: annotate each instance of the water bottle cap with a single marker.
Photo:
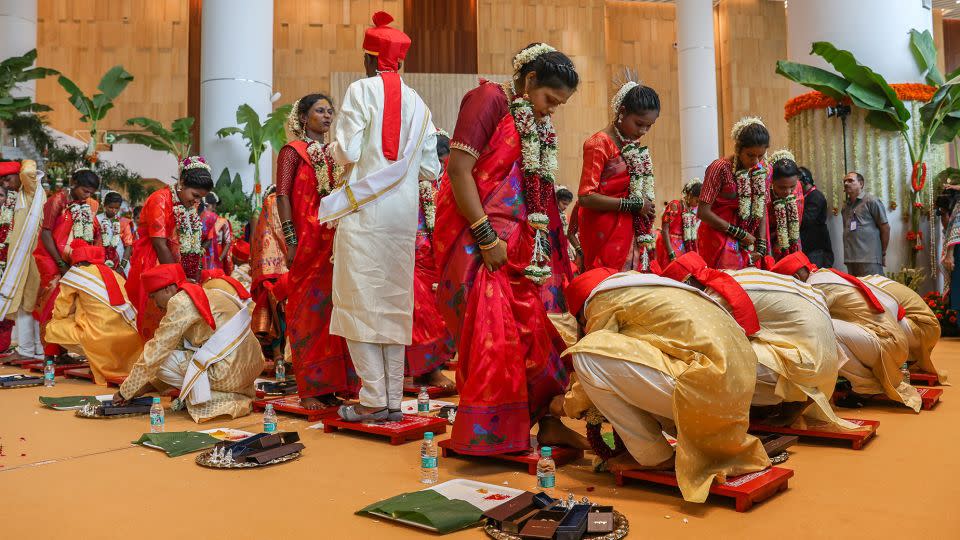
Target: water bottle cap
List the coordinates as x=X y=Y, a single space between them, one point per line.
x=49 y=362
x=546 y=451
x=269 y=407
x=156 y=400
x=428 y=436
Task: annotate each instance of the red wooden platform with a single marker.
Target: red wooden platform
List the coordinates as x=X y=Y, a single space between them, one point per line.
x=745 y=489
x=79 y=373
x=58 y=369
x=857 y=438
x=929 y=379
x=561 y=455
x=22 y=361
x=115 y=381
x=930 y=397
x=291 y=405
x=434 y=391
x=411 y=428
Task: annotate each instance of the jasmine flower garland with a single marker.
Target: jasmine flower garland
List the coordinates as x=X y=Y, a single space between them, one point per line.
x=640 y=170
x=189 y=228
x=428 y=203
x=82 y=221
x=327 y=170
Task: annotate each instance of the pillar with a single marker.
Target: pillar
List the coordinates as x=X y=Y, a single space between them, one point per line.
x=698 y=87
x=18 y=35
x=236 y=68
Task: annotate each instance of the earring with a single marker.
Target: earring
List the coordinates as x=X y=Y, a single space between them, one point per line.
x=526 y=97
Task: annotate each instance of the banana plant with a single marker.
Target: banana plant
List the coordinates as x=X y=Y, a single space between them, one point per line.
x=256 y=136
x=176 y=141
x=16 y=70
x=939 y=121
x=94 y=109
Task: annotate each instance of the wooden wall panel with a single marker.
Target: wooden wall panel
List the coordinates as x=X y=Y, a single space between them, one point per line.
x=752 y=37
x=575 y=27
x=640 y=35
x=85 y=38
x=444 y=35
x=951 y=44
x=314 y=38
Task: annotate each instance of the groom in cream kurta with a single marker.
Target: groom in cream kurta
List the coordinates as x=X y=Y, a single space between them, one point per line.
x=375 y=241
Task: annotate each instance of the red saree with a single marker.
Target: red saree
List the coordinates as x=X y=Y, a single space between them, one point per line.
x=268 y=261
x=673 y=220
x=58 y=219
x=211 y=254
x=720 y=190
x=321 y=362
x=509 y=365
x=606 y=238
x=156 y=221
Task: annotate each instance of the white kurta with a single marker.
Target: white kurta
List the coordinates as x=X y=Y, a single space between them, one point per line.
x=374 y=247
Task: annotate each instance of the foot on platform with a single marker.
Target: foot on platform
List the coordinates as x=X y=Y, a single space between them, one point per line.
x=553 y=433
x=359 y=413
x=436 y=379
x=626 y=462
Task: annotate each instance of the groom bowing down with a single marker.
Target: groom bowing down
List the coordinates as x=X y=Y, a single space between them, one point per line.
x=386 y=139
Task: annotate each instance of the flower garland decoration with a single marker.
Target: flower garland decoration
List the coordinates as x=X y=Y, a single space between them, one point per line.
x=691 y=223
x=618 y=98
x=428 y=203
x=788 y=223
x=82 y=221
x=6 y=225
x=751 y=192
x=111 y=233
x=530 y=54
x=328 y=171
x=538 y=150
x=818 y=100
x=189 y=233
x=640 y=170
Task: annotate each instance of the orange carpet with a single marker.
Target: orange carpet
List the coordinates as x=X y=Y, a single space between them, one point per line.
x=67 y=477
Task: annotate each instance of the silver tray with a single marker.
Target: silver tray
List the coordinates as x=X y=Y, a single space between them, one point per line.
x=204 y=461
x=621 y=529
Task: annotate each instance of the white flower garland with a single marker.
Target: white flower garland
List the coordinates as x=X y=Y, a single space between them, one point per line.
x=529 y=55
x=189 y=227
x=82 y=221
x=751 y=189
x=6 y=211
x=788 y=221
x=690 y=223
x=428 y=203
x=321 y=158
x=111 y=233
x=617 y=100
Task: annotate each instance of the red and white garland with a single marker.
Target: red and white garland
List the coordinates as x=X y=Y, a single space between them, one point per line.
x=82 y=216
x=328 y=171
x=690 y=225
x=428 y=203
x=538 y=150
x=642 y=187
x=751 y=192
x=6 y=225
x=189 y=227
x=787 y=217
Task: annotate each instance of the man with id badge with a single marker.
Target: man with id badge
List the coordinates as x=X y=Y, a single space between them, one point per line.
x=866 y=232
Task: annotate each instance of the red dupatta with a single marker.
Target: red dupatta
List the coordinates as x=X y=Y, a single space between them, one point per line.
x=156 y=221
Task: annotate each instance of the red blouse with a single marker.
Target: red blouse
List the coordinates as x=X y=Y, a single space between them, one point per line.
x=601 y=159
x=718 y=179
x=480 y=111
x=287 y=161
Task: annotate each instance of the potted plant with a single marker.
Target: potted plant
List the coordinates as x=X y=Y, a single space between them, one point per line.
x=256 y=136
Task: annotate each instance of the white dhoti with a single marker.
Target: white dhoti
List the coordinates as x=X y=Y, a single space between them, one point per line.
x=765 y=393
x=380 y=366
x=636 y=399
x=28 y=335
x=863 y=352
x=174 y=368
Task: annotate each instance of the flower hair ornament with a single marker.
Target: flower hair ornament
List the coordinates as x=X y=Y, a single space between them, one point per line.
x=194 y=162
x=782 y=153
x=293 y=121
x=692 y=182
x=81 y=169
x=742 y=124
x=530 y=54
x=442 y=132
x=617 y=100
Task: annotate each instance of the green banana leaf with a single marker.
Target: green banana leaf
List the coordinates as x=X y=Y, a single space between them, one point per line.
x=814 y=78
x=925 y=52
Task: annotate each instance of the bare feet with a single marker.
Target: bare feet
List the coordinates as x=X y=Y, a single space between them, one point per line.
x=320 y=402
x=553 y=433
x=311 y=404
x=434 y=378
x=625 y=462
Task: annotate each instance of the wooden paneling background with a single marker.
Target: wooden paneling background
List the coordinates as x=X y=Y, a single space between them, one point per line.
x=575 y=27
x=752 y=37
x=314 y=38
x=85 y=38
x=444 y=35
x=640 y=35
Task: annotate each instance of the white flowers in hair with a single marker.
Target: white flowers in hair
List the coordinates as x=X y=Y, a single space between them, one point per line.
x=194 y=162
x=743 y=123
x=293 y=120
x=617 y=100
x=692 y=182
x=530 y=54
x=783 y=153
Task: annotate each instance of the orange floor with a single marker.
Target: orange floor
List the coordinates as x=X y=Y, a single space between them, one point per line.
x=66 y=477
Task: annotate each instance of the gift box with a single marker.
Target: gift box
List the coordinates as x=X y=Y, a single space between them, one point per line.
x=543 y=525
x=600 y=520
x=574 y=525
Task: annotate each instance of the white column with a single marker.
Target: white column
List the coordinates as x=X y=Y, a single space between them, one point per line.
x=877 y=32
x=236 y=68
x=699 y=134
x=18 y=35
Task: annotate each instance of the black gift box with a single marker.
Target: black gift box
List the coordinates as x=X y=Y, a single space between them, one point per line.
x=543 y=525
x=575 y=523
x=500 y=513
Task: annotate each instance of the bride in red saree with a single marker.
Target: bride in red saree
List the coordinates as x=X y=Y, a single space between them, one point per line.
x=733 y=200
x=616 y=186
x=502 y=256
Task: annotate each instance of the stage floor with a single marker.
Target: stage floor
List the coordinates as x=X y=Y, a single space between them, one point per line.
x=62 y=476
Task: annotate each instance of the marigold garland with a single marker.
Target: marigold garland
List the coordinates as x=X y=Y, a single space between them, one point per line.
x=819 y=100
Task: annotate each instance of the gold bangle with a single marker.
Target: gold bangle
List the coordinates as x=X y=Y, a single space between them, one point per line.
x=491 y=245
x=479 y=222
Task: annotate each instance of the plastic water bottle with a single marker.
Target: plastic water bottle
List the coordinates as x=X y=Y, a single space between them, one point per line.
x=423 y=402
x=546 y=469
x=428 y=460
x=48 y=374
x=905 y=373
x=281 y=371
x=156 y=416
x=269 y=419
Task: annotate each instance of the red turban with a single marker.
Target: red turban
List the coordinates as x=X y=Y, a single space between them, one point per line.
x=241 y=250
x=9 y=167
x=790 y=264
x=390 y=46
x=164 y=275
x=692 y=265
x=217 y=273
x=580 y=288
x=84 y=252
